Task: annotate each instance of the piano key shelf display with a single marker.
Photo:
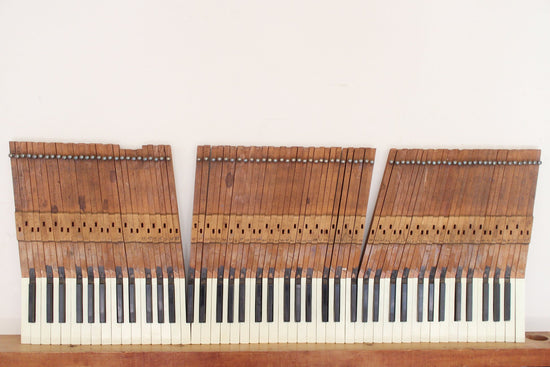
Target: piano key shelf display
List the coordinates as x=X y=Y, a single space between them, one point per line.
x=276 y=245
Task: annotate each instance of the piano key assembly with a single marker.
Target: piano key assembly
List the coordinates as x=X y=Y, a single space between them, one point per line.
x=280 y=249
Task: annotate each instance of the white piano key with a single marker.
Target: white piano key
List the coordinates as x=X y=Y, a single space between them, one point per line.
x=106 y=328
x=520 y=309
x=397 y=327
x=254 y=336
x=481 y=325
x=476 y=308
x=407 y=327
x=452 y=325
x=185 y=326
x=434 y=325
x=277 y=298
x=340 y=327
x=368 y=335
x=146 y=327
x=45 y=327
x=349 y=327
x=175 y=327
x=136 y=326
x=66 y=326
x=196 y=327
x=510 y=326
x=55 y=337
x=387 y=327
x=225 y=332
x=166 y=337
x=86 y=327
x=234 y=327
x=71 y=311
x=490 y=325
x=126 y=329
x=500 y=327
x=244 y=327
x=425 y=325
x=156 y=338
x=25 y=324
x=96 y=326
x=330 y=326
x=116 y=327
x=211 y=312
x=205 y=326
x=462 y=324
x=301 y=327
x=444 y=326
x=283 y=326
x=263 y=335
x=312 y=325
x=359 y=325
x=292 y=327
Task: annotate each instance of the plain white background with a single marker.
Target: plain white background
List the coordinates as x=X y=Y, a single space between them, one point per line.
x=375 y=73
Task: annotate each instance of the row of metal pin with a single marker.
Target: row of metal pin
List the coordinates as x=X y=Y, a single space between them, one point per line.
x=469 y=163
x=87 y=157
x=281 y=160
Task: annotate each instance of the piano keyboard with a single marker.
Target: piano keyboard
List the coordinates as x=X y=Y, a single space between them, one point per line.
x=276 y=251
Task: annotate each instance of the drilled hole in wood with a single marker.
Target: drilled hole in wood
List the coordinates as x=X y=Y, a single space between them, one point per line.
x=238 y=225
x=137 y=230
x=537 y=337
x=448 y=231
x=200 y=231
x=195 y=225
x=95 y=224
x=334 y=226
x=422 y=232
x=160 y=230
x=474 y=231
x=383 y=232
x=153 y=225
x=400 y=231
x=339 y=232
x=214 y=231
x=433 y=227
x=411 y=233
x=437 y=232
x=372 y=232
x=26 y=223
x=37 y=229
x=380 y=226
x=500 y=232
x=510 y=232
x=107 y=229
x=44 y=224
x=299 y=230
x=125 y=225
x=141 y=225
x=294 y=226
x=454 y=226
x=177 y=230
x=356 y=232
x=49 y=229
x=231 y=231
x=490 y=232
x=458 y=232
x=326 y=231
x=444 y=226
x=148 y=230
x=362 y=226
x=517 y=226
x=507 y=226
x=484 y=232
x=101 y=229
x=208 y=225
x=306 y=225
x=225 y=225
x=417 y=226
x=496 y=227
x=250 y=225
x=470 y=225
x=259 y=231
x=349 y=231
x=19 y=229
x=119 y=230
x=163 y=225
x=527 y=232
x=407 y=226
x=219 y=230
x=254 y=231
x=278 y=226
x=394 y=231
x=131 y=230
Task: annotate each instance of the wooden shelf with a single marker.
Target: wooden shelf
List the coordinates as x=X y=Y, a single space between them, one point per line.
x=534 y=352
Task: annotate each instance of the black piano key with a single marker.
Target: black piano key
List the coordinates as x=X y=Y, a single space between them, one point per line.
x=62 y=294
x=469 y=294
x=309 y=296
x=258 y=295
x=337 y=291
x=324 y=295
x=131 y=296
x=91 y=296
x=286 y=296
x=458 y=294
x=404 y=294
x=442 y=294
x=202 y=295
x=353 y=295
x=149 y=297
x=119 y=296
x=32 y=295
x=102 y=296
x=507 y=294
x=420 y=295
x=242 y=295
x=298 y=296
x=231 y=295
x=365 y=303
x=431 y=295
x=485 y=307
x=49 y=294
x=79 y=312
x=496 y=295
x=171 y=296
x=376 y=296
x=393 y=280
x=270 y=293
x=189 y=296
x=219 y=295
x=160 y=296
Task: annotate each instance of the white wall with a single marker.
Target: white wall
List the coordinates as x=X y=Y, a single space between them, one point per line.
x=354 y=73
